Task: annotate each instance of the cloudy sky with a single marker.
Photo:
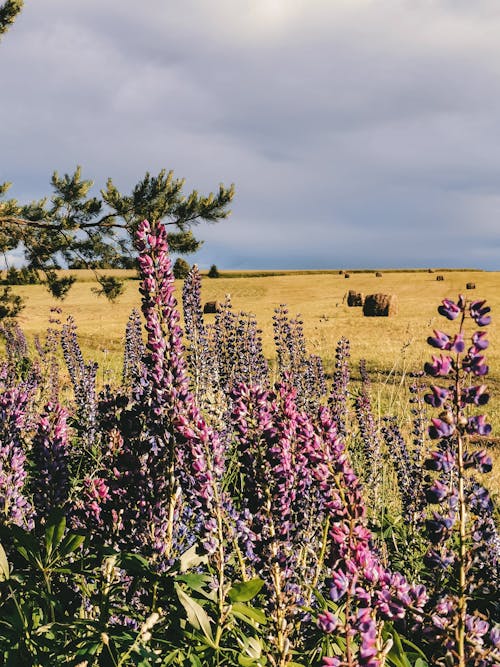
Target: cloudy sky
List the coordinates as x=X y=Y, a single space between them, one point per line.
x=358 y=133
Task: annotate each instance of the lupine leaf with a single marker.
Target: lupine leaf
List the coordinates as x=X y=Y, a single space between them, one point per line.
x=249 y=614
x=54 y=531
x=197 y=616
x=4 y=565
x=245 y=590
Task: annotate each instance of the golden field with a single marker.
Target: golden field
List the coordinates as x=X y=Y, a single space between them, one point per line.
x=392 y=346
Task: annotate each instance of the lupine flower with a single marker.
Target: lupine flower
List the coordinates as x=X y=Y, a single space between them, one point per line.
x=370 y=440
x=337 y=400
x=478 y=460
x=437 y=492
x=408 y=471
x=479 y=340
x=477 y=424
x=441 y=365
x=479 y=313
x=14 y=506
x=134 y=350
x=438 y=397
x=440 y=429
x=454 y=632
x=327 y=622
x=83 y=378
x=50 y=484
x=474 y=364
x=477 y=395
x=449 y=309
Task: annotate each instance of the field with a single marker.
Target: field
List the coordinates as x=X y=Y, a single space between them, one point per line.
x=391 y=346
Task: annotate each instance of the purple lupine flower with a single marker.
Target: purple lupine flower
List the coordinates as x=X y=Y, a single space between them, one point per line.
x=479 y=313
x=449 y=309
x=437 y=492
x=479 y=340
x=441 y=461
x=480 y=460
x=133 y=351
x=251 y=366
x=440 y=366
x=202 y=362
x=439 y=340
x=439 y=527
x=441 y=429
x=370 y=438
x=438 y=397
x=337 y=400
x=477 y=395
x=408 y=471
x=83 y=378
x=327 y=622
x=453 y=630
x=50 y=484
x=477 y=425
x=226 y=345
x=14 y=506
x=474 y=364
x=178 y=436
x=371 y=592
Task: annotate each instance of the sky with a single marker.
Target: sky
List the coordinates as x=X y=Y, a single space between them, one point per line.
x=358 y=133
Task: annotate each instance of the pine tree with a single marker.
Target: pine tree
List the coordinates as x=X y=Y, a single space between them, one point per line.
x=8 y=13
x=99 y=231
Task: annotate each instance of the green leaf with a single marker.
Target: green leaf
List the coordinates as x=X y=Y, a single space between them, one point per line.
x=71 y=543
x=197 y=616
x=249 y=614
x=4 y=565
x=135 y=564
x=191 y=559
x=54 y=531
x=194 y=581
x=245 y=590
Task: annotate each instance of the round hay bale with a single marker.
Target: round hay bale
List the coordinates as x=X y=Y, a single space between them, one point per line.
x=439 y=277
x=471 y=286
x=355 y=298
x=211 y=307
x=341 y=273
x=346 y=275
x=378 y=275
x=380 y=305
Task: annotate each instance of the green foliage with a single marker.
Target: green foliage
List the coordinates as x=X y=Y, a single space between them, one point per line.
x=8 y=13
x=98 y=232
x=10 y=304
x=213 y=272
x=181 y=268
x=111 y=287
x=22 y=276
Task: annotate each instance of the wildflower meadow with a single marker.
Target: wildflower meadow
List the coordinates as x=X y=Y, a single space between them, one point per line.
x=214 y=508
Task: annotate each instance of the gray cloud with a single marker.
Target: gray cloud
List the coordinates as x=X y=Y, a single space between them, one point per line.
x=358 y=133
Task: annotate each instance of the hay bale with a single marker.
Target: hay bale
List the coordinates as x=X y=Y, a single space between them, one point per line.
x=378 y=275
x=211 y=307
x=439 y=277
x=355 y=298
x=471 y=286
x=341 y=273
x=380 y=305
x=346 y=275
